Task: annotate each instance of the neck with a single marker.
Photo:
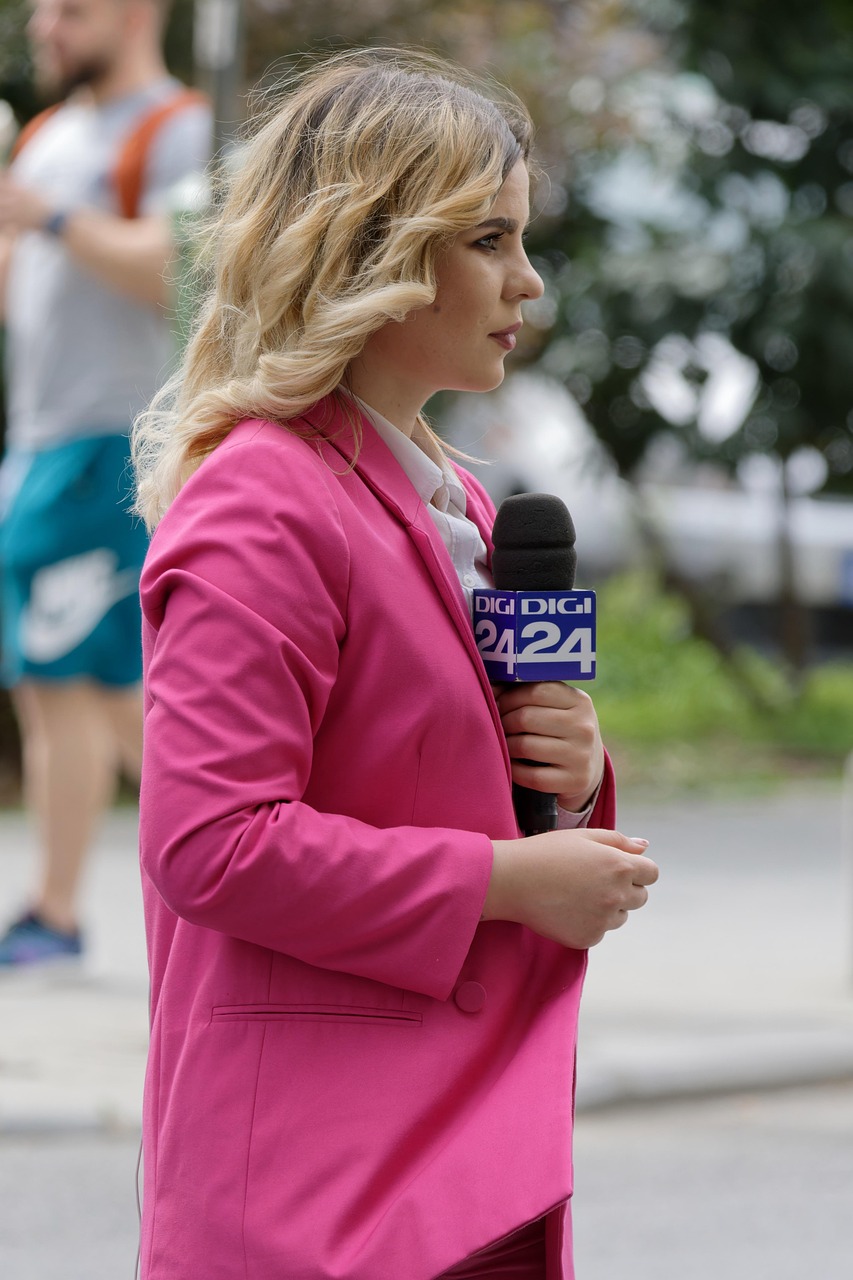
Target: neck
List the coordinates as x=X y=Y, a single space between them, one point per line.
x=139 y=69
x=396 y=403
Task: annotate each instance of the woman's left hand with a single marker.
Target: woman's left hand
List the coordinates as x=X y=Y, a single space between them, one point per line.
x=554 y=725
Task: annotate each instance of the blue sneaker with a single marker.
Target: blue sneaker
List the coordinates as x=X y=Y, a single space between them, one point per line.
x=31 y=941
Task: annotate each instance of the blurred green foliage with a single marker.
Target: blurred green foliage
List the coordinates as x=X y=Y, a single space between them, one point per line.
x=711 y=194
x=16 y=85
x=674 y=713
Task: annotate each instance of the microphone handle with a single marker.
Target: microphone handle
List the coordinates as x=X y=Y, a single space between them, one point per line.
x=536 y=811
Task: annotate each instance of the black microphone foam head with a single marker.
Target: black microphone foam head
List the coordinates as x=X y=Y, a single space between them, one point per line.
x=534 y=541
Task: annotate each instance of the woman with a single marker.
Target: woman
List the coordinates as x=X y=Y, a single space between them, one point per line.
x=364 y=983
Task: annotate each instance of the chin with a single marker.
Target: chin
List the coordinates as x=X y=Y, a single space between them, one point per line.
x=495 y=380
x=49 y=79
x=485 y=381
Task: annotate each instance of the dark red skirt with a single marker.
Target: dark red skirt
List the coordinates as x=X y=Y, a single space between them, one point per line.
x=520 y=1256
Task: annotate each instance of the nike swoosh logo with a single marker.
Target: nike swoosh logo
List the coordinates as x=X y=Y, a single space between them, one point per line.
x=69 y=599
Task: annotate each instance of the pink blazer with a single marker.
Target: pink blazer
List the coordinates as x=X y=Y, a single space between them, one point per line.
x=349 y=1075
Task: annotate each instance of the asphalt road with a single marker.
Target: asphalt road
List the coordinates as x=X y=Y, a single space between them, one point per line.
x=747 y=1187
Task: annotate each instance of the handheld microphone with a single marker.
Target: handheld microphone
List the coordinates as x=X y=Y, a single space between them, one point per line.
x=534 y=539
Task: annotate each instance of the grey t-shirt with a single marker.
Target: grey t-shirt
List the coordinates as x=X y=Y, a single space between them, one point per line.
x=83 y=358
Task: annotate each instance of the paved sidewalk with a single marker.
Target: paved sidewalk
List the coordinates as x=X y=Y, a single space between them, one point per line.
x=738 y=973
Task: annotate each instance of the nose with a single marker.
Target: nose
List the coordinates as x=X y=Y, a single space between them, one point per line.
x=39 y=25
x=536 y=285
x=45 y=20
x=528 y=283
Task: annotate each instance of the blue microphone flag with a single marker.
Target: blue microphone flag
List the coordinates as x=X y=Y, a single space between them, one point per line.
x=535 y=635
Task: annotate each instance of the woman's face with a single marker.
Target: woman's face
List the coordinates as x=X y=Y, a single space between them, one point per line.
x=460 y=342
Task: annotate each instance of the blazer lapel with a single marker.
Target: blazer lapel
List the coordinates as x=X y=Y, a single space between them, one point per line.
x=381 y=472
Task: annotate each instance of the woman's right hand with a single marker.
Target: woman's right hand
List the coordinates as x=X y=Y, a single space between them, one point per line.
x=570 y=886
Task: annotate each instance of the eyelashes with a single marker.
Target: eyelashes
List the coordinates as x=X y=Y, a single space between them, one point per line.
x=490 y=242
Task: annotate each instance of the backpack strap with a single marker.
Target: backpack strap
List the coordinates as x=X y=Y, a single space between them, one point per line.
x=128 y=175
x=31 y=128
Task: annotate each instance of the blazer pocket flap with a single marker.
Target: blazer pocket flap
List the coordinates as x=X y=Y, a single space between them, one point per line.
x=330 y=1013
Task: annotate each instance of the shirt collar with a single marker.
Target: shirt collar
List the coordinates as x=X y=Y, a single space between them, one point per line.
x=428 y=469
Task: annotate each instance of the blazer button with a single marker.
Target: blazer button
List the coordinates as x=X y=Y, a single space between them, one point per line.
x=470 y=997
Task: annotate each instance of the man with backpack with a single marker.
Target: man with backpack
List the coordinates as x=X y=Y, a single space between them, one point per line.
x=85 y=246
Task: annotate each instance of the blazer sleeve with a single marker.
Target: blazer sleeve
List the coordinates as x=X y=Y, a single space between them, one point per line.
x=243 y=620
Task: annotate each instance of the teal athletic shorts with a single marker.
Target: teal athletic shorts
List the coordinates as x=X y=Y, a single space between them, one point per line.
x=70 y=560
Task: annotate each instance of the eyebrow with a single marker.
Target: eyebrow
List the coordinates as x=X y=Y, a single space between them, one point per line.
x=503 y=224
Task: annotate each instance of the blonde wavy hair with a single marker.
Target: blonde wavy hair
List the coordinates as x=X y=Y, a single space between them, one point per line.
x=332 y=227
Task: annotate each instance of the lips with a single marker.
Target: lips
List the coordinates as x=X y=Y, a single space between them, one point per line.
x=506 y=337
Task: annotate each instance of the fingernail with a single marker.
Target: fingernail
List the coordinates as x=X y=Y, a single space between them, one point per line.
x=639 y=840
